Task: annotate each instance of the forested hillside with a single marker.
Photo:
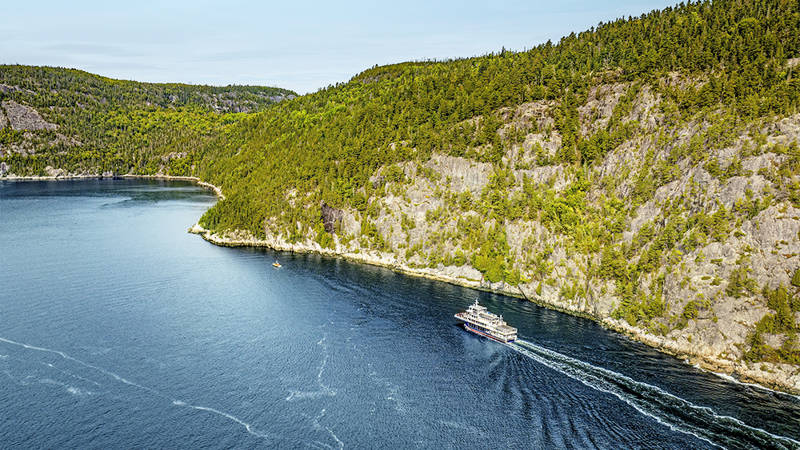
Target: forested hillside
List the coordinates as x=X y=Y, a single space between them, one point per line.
x=643 y=173
x=78 y=122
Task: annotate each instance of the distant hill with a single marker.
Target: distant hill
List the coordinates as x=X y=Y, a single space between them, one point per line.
x=72 y=119
x=645 y=173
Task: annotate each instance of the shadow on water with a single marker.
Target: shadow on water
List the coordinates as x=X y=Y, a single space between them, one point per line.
x=137 y=190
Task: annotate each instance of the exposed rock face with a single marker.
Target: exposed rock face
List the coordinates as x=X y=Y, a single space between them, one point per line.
x=728 y=214
x=231 y=102
x=22 y=117
x=331 y=218
x=6 y=89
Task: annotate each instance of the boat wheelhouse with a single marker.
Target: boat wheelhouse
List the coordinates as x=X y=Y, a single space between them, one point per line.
x=480 y=321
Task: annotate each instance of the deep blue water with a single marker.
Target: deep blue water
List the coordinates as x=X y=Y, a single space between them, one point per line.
x=119 y=329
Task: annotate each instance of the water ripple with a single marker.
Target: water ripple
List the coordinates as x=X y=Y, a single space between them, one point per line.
x=249 y=428
x=678 y=414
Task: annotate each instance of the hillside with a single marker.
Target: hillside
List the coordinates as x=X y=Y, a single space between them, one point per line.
x=74 y=121
x=643 y=173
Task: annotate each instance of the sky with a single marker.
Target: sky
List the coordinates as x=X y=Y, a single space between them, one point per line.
x=298 y=45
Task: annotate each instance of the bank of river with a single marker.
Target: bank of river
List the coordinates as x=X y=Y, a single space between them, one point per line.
x=119 y=329
x=783 y=377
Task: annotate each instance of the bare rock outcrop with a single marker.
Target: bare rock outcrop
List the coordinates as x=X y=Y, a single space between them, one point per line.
x=703 y=227
x=331 y=218
x=23 y=117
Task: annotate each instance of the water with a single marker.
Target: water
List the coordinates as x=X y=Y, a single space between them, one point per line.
x=119 y=329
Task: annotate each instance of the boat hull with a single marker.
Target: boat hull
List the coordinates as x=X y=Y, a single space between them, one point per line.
x=484 y=334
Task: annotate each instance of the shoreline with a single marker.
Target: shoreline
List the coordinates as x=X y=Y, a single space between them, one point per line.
x=737 y=371
x=217 y=191
x=773 y=379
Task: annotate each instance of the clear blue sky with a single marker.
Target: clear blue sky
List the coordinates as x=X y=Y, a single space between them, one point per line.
x=293 y=44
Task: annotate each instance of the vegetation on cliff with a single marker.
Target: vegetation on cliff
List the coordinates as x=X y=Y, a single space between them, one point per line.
x=95 y=124
x=645 y=170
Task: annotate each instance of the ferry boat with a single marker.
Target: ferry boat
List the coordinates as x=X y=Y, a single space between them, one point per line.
x=480 y=321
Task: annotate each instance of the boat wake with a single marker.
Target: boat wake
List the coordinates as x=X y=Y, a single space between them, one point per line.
x=246 y=425
x=319 y=426
x=324 y=390
x=249 y=428
x=674 y=412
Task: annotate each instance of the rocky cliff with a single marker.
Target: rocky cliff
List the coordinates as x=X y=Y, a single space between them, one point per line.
x=644 y=173
x=686 y=261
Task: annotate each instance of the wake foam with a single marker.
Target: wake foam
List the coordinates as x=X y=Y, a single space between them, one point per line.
x=674 y=412
x=324 y=390
x=249 y=428
x=246 y=425
x=319 y=426
x=732 y=379
x=77 y=361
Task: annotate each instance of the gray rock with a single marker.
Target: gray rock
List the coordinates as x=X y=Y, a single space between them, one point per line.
x=331 y=218
x=23 y=117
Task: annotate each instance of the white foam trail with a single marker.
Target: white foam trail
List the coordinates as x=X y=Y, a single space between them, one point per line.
x=71 y=389
x=606 y=380
x=341 y=444
x=325 y=389
x=586 y=382
x=246 y=425
x=318 y=426
x=732 y=379
x=735 y=380
x=461 y=426
x=11 y=377
x=302 y=395
x=75 y=391
x=70 y=358
x=175 y=402
x=72 y=375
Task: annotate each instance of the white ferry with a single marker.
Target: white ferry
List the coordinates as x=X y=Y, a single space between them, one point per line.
x=479 y=320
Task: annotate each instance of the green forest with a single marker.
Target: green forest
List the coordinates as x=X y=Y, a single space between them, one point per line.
x=108 y=125
x=729 y=65
x=330 y=142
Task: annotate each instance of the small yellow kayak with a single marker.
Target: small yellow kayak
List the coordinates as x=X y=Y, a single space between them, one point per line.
x=276 y=265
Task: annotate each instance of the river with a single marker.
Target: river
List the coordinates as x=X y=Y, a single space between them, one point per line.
x=120 y=329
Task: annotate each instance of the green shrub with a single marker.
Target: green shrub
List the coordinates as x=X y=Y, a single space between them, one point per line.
x=513 y=277
x=796 y=278
x=740 y=283
x=690 y=310
x=394 y=174
x=323 y=238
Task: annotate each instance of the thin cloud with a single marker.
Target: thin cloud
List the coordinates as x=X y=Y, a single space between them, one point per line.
x=92 y=49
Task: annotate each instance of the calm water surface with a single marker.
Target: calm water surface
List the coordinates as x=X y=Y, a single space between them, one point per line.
x=119 y=329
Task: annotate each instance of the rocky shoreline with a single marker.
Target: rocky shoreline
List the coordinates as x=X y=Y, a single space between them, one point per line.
x=781 y=377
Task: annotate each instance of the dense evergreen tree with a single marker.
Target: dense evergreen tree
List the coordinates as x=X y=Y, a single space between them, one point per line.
x=727 y=63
